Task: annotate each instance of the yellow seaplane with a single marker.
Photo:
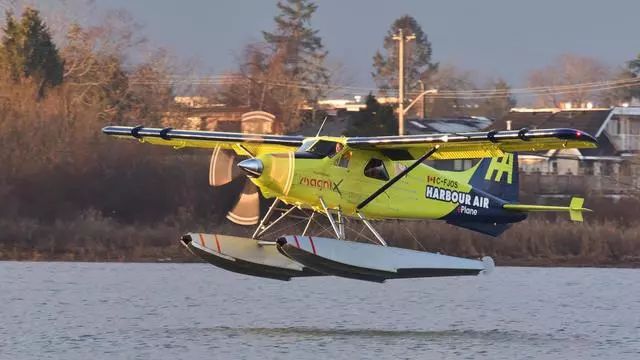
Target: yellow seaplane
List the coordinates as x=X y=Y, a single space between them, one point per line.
x=361 y=179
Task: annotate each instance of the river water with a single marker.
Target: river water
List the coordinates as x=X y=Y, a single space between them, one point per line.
x=196 y=311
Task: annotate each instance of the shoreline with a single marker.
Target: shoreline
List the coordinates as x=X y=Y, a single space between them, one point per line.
x=191 y=259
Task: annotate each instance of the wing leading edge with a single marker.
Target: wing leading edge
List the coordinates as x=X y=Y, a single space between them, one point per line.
x=479 y=144
x=240 y=143
x=451 y=146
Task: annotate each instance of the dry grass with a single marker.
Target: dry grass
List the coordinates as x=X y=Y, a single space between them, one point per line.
x=538 y=241
x=88 y=238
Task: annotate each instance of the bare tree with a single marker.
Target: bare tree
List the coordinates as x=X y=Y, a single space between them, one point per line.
x=262 y=82
x=568 y=69
x=450 y=78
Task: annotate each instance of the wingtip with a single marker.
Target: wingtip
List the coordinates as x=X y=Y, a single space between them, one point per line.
x=577 y=135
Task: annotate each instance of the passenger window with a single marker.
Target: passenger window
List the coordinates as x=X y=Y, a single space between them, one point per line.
x=344 y=159
x=375 y=169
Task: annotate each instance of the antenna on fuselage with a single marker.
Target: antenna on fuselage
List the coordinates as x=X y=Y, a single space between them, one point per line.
x=322 y=125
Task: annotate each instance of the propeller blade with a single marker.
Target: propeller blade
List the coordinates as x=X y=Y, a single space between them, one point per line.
x=221 y=170
x=247 y=209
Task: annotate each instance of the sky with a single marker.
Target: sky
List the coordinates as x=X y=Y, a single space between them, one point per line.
x=492 y=38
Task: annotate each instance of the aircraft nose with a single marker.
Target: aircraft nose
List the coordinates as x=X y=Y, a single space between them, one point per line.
x=253 y=167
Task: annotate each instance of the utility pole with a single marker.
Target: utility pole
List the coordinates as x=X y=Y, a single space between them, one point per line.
x=423 y=108
x=401 y=38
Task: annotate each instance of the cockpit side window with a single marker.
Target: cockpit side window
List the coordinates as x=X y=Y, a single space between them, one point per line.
x=321 y=148
x=375 y=169
x=343 y=162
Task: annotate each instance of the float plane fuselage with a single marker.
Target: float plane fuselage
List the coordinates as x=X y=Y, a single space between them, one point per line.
x=364 y=178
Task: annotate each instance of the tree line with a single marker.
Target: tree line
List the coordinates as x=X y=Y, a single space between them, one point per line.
x=54 y=99
x=289 y=70
x=69 y=192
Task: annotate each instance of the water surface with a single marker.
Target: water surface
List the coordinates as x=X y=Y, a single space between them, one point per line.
x=196 y=311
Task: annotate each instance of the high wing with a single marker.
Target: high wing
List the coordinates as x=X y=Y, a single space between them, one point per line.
x=242 y=144
x=476 y=144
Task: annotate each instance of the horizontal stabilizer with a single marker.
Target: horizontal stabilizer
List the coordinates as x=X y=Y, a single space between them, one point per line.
x=575 y=208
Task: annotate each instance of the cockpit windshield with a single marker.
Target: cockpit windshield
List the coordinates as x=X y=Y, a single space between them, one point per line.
x=321 y=148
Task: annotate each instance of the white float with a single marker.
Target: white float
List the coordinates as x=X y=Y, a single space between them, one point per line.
x=294 y=256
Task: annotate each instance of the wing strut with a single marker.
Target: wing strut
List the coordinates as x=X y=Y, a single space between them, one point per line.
x=395 y=179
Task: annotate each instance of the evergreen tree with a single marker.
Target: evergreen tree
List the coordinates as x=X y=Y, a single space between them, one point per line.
x=418 y=63
x=29 y=52
x=42 y=61
x=633 y=71
x=298 y=47
x=634 y=65
x=618 y=96
x=374 y=120
x=297 y=57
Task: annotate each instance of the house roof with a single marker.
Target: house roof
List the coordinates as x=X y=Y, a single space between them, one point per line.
x=337 y=125
x=519 y=120
x=589 y=121
x=447 y=125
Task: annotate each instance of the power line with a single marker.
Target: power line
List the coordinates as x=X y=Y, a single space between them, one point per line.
x=347 y=89
x=232 y=78
x=543 y=89
x=529 y=94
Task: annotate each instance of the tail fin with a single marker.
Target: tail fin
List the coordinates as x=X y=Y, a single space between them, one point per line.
x=498 y=176
x=575 y=208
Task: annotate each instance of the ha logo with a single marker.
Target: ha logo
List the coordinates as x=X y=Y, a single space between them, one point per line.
x=500 y=166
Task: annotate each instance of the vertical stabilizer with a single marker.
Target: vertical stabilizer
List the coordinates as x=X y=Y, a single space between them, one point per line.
x=498 y=176
x=576 y=209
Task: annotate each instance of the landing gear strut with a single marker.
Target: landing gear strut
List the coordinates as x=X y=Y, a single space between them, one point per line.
x=262 y=228
x=337 y=224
